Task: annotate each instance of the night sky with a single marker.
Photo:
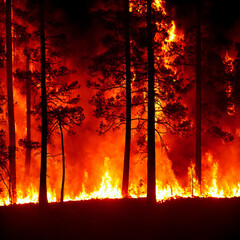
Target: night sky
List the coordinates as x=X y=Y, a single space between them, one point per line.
x=223 y=16
x=224 y=13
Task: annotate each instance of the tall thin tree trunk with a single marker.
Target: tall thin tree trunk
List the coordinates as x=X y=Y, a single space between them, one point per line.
x=28 y=148
x=63 y=162
x=125 y=181
x=14 y=55
x=198 y=94
x=151 y=174
x=43 y=173
x=11 y=119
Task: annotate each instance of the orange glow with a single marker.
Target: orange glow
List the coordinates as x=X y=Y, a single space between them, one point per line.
x=110 y=187
x=159 y=4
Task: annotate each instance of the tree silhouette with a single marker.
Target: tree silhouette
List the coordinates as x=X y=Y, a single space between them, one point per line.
x=43 y=173
x=125 y=181
x=198 y=93
x=25 y=40
x=11 y=118
x=5 y=176
x=151 y=169
x=115 y=111
x=64 y=118
x=64 y=111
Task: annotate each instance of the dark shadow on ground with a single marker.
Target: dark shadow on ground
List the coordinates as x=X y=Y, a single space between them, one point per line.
x=187 y=219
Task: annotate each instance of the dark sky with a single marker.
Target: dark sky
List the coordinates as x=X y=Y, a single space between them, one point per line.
x=220 y=13
x=223 y=14
x=222 y=18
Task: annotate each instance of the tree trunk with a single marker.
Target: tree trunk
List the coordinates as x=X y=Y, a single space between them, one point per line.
x=28 y=148
x=11 y=119
x=151 y=178
x=63 y=162
x=14 y=55
x=125 y=182
x=43 y=172
x=198 y=95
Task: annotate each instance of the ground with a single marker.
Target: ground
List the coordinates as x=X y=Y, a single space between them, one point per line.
x=187 y=219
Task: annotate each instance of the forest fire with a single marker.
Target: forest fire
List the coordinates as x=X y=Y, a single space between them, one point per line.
x=110 y=187
x=83 y=164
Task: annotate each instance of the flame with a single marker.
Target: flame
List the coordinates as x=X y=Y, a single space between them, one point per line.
x=110 y=187
x=159 y=4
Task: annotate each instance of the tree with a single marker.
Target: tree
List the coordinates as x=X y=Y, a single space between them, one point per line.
x=5 y=176
x=63 y=109
x=151 y=174
x=198 y=94
x=24 y=40
x=64 y=118
x=116 y=111
x=125 y=180
x=43 y=173
x=11 y=118
x=28 y=95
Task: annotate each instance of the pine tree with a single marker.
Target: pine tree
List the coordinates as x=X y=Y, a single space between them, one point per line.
x=43 y=174
x=64 y=113
x=125 y=181
x=198 y=95
x=151 y=169
x=11 y=118
x=65 y=118
x=22 y=43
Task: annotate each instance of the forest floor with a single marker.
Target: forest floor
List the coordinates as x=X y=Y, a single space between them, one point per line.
x=193 y=219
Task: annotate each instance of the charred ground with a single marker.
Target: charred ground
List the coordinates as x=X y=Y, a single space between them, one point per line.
x=196 y=218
